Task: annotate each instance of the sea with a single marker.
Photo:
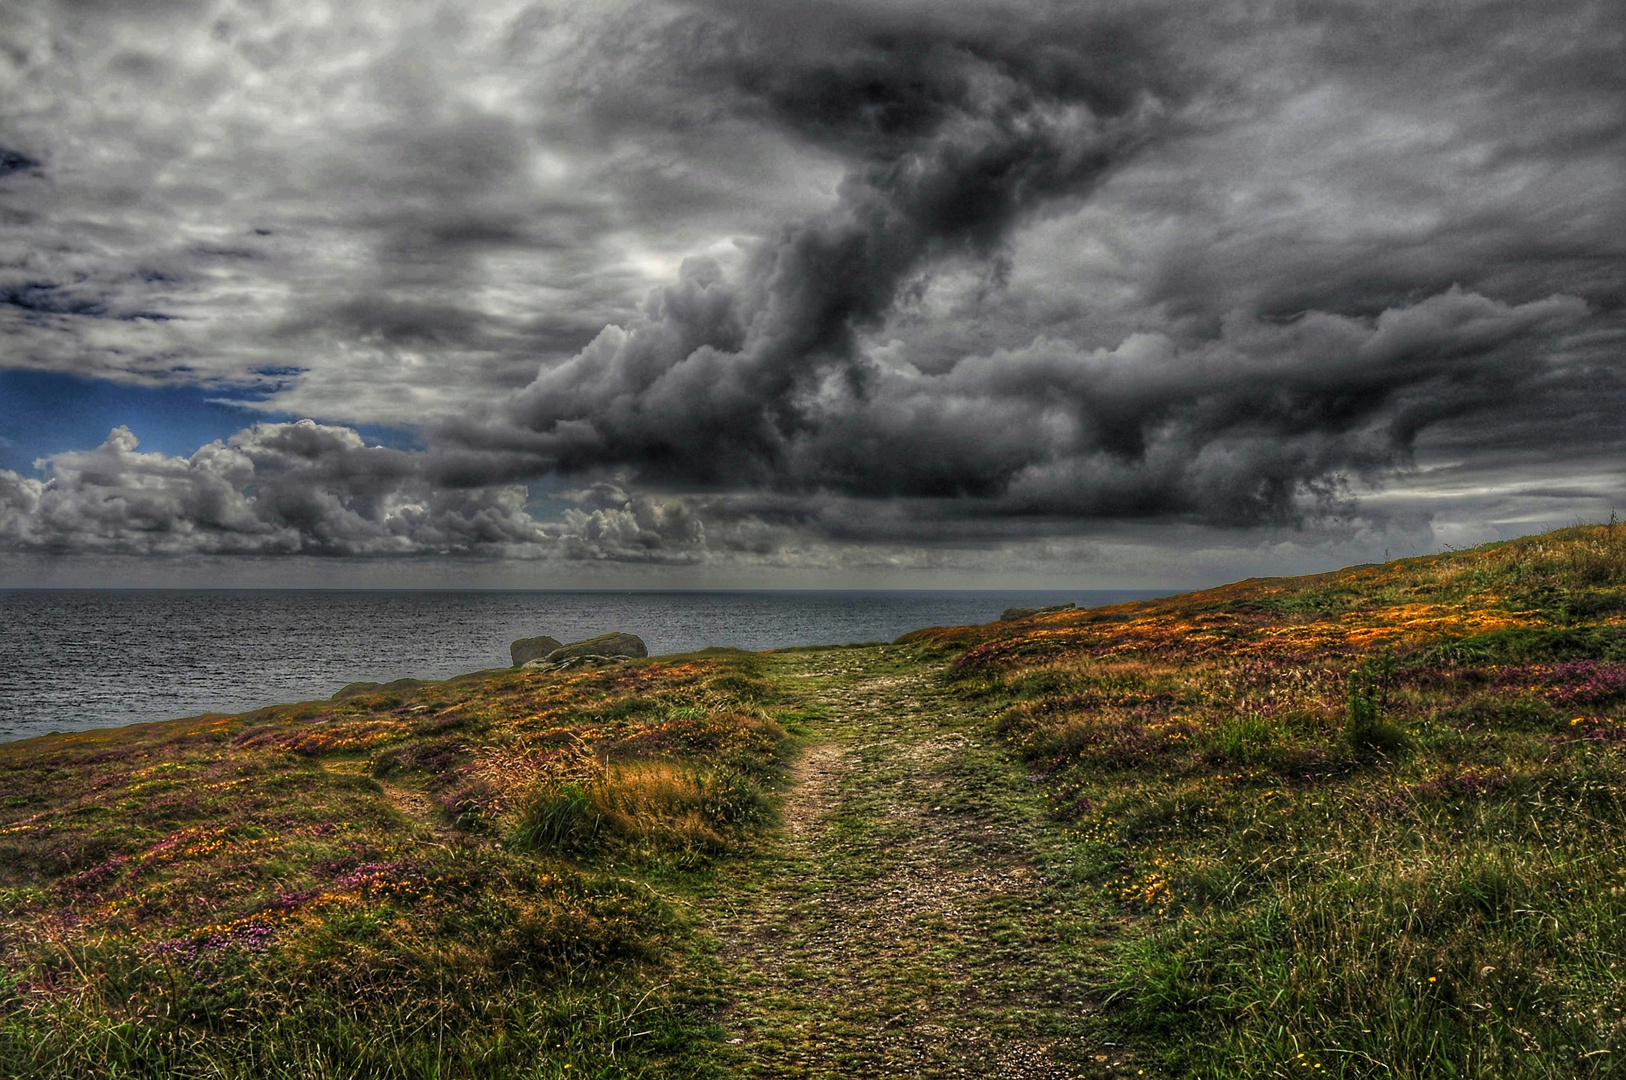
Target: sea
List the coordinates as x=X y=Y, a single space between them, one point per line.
x=73 y=659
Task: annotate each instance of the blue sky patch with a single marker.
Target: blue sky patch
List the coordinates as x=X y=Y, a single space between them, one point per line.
x=43 y=412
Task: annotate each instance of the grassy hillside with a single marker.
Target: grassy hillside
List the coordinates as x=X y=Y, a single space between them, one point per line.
x=1367 y=823
x=455 y=882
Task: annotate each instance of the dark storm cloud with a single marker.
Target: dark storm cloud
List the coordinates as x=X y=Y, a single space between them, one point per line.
x=1233 y=431
x=955 y=133
x=1253 y=406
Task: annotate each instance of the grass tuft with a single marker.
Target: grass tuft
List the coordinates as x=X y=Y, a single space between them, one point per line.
x=565 y=820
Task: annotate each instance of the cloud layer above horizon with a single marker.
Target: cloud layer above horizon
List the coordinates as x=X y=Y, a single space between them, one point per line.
x=772 y=284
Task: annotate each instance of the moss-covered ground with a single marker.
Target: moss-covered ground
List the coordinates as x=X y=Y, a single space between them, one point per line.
x=1368 y=823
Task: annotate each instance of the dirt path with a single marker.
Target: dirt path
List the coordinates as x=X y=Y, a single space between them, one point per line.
x=907 y=925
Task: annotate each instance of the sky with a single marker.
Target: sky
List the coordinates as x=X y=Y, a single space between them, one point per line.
x=802 y=294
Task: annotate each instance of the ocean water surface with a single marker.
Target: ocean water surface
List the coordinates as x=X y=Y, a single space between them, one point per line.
x=76 y=659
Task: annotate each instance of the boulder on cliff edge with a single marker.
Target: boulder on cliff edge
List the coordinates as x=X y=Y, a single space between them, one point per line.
x=604 y=645
x=532 y=648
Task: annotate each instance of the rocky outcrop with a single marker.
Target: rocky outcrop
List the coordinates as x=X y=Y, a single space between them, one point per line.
x=628 y=645
x=1011 y=614
x=526 y=649
x=604 y=649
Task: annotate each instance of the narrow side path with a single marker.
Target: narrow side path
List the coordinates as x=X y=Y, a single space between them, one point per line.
x=915 y=920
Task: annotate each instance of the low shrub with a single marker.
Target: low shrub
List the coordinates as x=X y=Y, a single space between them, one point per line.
x=1368 y=726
